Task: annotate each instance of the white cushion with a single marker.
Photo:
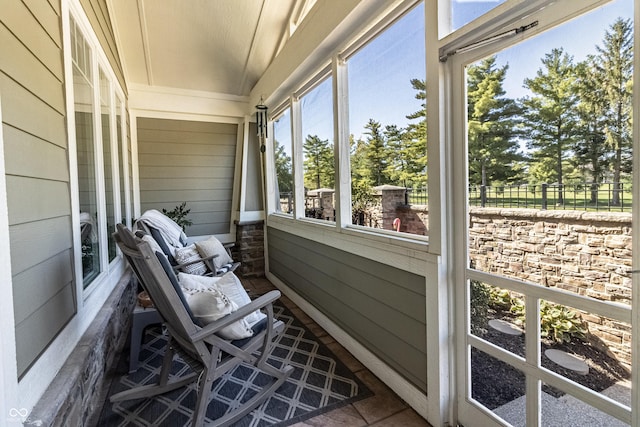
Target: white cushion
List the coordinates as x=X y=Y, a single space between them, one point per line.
x=210 y=305
x=229 y=284
x=187 y=254
x=212 y=246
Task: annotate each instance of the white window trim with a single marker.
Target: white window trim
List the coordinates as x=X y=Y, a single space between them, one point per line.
x=39 y=376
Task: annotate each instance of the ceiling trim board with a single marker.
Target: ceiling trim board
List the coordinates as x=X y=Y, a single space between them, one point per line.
x=144 y=32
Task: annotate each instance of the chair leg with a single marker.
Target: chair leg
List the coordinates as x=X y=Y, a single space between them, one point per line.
x=205 y=383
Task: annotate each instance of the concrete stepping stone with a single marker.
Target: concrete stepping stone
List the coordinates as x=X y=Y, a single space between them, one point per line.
x=505 y=327
x=568 y=361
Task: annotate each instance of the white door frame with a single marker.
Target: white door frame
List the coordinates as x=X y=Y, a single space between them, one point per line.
x=467 y=412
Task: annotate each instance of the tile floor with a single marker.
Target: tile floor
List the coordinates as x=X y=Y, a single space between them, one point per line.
x=384 y=408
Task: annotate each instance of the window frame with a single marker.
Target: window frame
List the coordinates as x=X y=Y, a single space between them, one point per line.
x=337 y=69
x=99 y=64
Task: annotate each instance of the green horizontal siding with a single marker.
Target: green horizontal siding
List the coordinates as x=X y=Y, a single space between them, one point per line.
x=193 y=162
x=381 y=307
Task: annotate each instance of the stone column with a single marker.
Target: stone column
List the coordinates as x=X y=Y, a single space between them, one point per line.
x=392 y=198
x=249 y=249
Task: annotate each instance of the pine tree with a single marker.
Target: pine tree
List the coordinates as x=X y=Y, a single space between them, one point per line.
x=319 y=169
x=614 y=65
x=590 y=149
x=551 y=113
x=493 y=125
x=283 y=168
x=375 y=154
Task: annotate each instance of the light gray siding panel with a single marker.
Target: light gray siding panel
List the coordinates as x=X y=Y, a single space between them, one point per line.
x=32 y=338
x=197 y=168
x=219 y=188
x=34 y=242
x=31 y=156
x=47 y=15
x=44 y=45
x=160 y=127
x=223 y=140
x=26 y=68
x=23 y=110
x=37 y=173
x=34 y=287
x=193 y=162
x=380 y=306
x=31 y=199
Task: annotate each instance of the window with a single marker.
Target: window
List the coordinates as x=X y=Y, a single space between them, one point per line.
x=105 y=118
x=83 y=95
x=316 y=112
x=283 y=157
x=99 y=139
x=465 y=11
x=387 y=126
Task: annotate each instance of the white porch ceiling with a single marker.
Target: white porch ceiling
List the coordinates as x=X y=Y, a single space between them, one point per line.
x=219 y=46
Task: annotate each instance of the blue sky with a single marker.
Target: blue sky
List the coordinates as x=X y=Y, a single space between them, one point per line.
x=380 y=72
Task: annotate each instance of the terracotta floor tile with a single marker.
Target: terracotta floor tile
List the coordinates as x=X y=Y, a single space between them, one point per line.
x=382 y=404
x=347 y=358
x=406 y=418
x=345 y=416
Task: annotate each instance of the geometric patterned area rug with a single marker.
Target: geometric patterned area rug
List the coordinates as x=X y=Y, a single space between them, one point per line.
x=319 y=383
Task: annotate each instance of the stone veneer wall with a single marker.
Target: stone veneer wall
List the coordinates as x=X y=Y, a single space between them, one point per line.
x=588 y=253
x=77 y=393
x=249 y=248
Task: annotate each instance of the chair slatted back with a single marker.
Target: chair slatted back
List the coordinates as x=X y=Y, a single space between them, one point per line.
x=154 y=279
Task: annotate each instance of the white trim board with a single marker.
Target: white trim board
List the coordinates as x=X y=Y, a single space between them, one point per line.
x=417 y=399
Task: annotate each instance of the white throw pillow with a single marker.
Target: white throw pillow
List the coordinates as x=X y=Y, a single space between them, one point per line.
x=211 y=305
x=212 y=246
x=187 y=254
x=229 y=284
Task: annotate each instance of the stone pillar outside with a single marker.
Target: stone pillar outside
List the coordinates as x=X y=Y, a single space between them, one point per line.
x=392 y=198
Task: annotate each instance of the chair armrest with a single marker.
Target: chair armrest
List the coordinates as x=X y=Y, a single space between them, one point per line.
x=254 y=305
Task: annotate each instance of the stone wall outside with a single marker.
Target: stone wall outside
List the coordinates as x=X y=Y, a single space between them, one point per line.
x=587 y=253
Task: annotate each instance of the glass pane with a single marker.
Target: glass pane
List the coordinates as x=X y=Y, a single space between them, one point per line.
x=283 y=153
x=316 y=109
x=387 y=122
x=498 y=386
x=497 y=315
x=121 y=169
x=105 y=115
x=548 y=130
x=85 y=144
x=465 y=11
x=566 y=410
x=590 y=349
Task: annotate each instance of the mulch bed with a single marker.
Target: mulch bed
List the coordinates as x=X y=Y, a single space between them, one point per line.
x=495 y=383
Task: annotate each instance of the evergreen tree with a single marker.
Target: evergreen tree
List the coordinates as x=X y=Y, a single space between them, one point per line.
x=283 y=169
x=375 y=154
x=414 y=148
x=614 y=65
x=551 y=113
x=319 y=169
x=493 y=125
x=590 y=149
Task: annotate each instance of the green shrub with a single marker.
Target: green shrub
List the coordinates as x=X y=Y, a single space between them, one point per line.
x=179 y=215
x=479 y=307
x=557 y=322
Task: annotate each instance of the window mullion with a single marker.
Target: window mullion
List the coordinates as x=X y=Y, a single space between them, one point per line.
x=341 y=143
x=297 y=161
